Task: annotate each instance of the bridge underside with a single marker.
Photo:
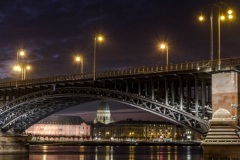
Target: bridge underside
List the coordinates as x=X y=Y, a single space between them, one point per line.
x=20 y=113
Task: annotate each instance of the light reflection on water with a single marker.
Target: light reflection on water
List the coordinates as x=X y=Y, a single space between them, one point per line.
x=109 y=153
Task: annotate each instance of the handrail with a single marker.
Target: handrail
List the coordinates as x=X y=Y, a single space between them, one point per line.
x=129 y=71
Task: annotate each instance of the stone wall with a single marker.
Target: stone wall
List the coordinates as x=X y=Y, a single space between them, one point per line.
x=225 y=92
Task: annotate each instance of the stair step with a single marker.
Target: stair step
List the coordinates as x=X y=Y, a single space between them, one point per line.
x=222 y=137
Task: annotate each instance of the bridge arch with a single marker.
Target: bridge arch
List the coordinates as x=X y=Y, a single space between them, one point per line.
x=21 y=113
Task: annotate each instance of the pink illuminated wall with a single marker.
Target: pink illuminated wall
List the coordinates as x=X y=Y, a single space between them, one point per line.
x=59 y=129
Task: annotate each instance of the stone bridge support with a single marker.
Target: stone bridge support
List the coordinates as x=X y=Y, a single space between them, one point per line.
x=223 y=139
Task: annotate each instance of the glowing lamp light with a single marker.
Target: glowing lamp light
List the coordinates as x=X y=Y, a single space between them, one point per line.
x=163 y=46
x=100 y=38
x=22 y=53
x=230 y=16
x=77 y=59
x=28 y=67
x=222 y=17
x=201 y=18
x=230 y=11
x=17 y=68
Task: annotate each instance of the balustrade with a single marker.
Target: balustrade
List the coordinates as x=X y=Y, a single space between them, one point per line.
x=140 y=70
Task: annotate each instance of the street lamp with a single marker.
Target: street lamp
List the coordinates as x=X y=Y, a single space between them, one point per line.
x=17 y=68
x=201 y=18
x=79 y=59
x=221 y=17
x=25 y=69
x=164 y=46
x=97 y=39
x=21 y=67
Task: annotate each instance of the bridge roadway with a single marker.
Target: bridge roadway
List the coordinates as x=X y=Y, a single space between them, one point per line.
x=180 y=93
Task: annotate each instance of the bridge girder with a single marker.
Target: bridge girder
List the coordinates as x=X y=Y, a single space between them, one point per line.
x=21 y=113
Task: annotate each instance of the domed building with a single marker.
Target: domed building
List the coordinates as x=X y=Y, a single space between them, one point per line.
x=103 y=113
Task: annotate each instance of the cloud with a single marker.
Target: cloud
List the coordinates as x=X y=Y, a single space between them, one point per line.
x=53 y=30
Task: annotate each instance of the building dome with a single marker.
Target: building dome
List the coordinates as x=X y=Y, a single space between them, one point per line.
x=103 y=113
x=222 y=114
x=103 y=106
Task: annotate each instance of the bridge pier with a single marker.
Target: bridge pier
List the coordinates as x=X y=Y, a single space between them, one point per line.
x=222 y=140
x=10 y=144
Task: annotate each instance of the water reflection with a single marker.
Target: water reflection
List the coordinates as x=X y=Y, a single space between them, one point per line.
x=96 y=153
x=188 y=153
x=169 y=152
x=175 y=152
x=14 y=157
x=160 y=153
x=109 y=153
x=131 y=152
x=81 y=156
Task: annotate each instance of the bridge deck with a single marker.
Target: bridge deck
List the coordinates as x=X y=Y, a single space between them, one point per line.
x=199 y=66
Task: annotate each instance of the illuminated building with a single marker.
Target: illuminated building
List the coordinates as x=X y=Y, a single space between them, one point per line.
x=104 y=128
x=103 y=113
x=56 y=127
x=140 y=130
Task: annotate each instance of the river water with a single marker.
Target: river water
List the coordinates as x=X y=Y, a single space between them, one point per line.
x=110 y=153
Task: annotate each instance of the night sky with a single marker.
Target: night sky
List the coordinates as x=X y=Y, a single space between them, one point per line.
x=53 y=31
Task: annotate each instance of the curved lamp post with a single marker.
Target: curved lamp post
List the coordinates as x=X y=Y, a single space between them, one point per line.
x=97 y=39
x=79 y=59
x=164 y=46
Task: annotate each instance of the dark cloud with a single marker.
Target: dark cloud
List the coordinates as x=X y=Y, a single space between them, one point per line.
x=52 y=31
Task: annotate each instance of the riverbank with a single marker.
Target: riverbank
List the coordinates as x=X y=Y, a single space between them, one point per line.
x=113 y=143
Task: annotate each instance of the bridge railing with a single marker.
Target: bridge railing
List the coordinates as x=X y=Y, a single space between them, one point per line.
x=126 y=72
x=154 y=69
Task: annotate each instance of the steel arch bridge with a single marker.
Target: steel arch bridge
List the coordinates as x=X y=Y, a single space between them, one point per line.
x=23 y=112
x=180 y=93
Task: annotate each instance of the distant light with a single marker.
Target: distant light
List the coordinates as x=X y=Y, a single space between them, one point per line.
x=22 y=53
x=100 y=38
x=28 y=67
x=222 y=17
x=230 y=11
x=17 y=68
x=201 y=18
x=230 y=16
x=77 y=58
x=163 y=46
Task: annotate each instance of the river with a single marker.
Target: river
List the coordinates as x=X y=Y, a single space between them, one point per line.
x=109 y=153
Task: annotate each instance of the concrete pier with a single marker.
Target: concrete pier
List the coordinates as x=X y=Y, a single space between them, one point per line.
x=223 y=140
x=10 y=144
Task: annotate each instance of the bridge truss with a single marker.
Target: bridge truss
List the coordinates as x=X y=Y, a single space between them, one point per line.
x=24 y=111
x=180 y=93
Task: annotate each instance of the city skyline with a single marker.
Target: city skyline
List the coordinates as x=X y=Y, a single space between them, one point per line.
x=52 y=32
